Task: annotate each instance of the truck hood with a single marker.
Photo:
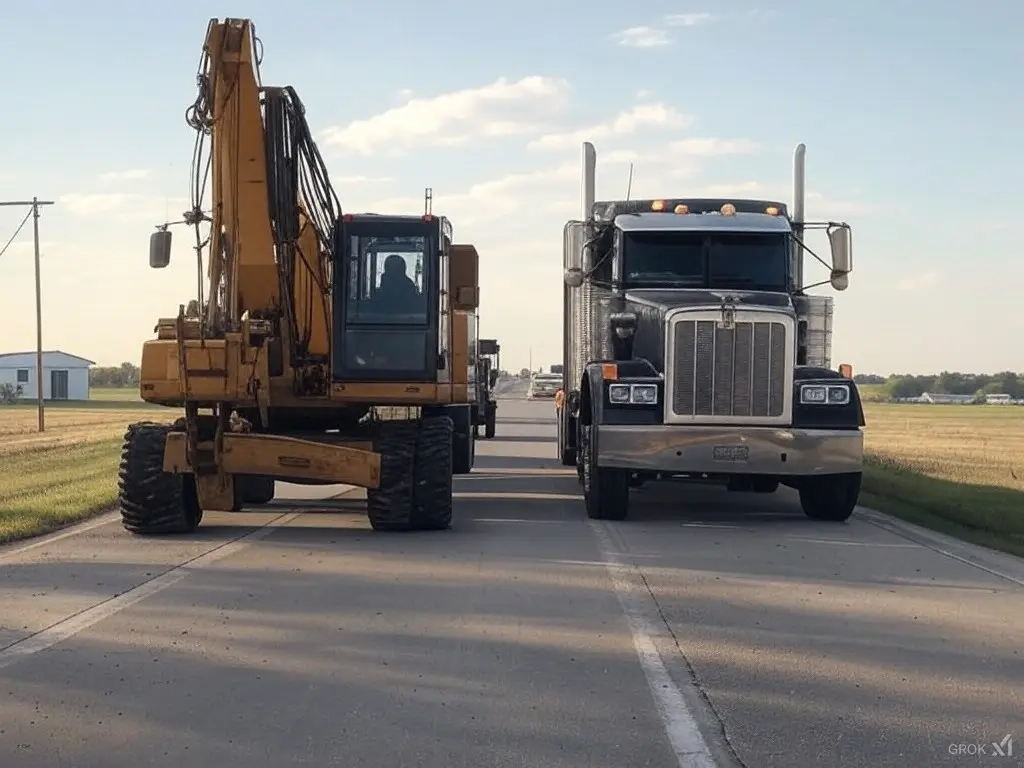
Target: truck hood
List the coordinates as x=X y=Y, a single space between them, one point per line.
x=673 y=298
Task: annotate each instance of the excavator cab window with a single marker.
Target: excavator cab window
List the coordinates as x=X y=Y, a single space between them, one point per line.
x=386 y=318
x=386 y=280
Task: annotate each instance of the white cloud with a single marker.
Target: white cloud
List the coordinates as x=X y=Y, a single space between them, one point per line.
x=132 y=174
x=641 y=37
x=658 y=37
x=922 y=282
x=543 y=199
x=687 y=19
x=124 y=206
x=502 y=108
x=502 y=197
x=25 y=249
x=710 y=147
x=623 y=124
x=362 y=180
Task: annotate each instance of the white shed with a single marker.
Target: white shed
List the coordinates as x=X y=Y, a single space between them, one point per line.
x=65 y=376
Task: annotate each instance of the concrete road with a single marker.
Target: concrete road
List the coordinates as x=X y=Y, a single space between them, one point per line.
x=710 y=629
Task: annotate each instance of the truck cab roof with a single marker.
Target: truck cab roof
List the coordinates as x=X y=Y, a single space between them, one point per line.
x=702 y=222
x=607 y=210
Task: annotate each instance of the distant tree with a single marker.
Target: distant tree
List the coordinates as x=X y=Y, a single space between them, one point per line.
x=869 y=378
x=123 y=375
x=900 y=385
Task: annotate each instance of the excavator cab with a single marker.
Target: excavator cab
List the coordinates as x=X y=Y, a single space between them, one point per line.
x=388 y=316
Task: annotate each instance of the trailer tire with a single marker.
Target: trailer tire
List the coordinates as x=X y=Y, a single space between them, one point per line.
x=830 y=497
x=154 y=502
x=432 y=475
x=605 y=490
x=389 y=506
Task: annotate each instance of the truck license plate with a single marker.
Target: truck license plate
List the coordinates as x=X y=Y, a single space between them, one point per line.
x=731 y=453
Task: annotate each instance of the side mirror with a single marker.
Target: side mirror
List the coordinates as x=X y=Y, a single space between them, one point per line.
x=494 y=378
x=840 y=239
x=160 y=249
x=573 y=277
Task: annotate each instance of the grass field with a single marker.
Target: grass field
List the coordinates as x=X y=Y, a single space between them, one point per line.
x=956 y=468
x=70 y=470
x=959 y=469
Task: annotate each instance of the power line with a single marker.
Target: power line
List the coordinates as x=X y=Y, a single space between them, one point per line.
x=17 y=231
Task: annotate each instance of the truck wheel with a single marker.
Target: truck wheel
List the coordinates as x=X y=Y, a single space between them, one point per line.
x=491 y=421
x=432 y=475
x=830 y=497
x=389 y=506
x=152 y=501
x=605 y=491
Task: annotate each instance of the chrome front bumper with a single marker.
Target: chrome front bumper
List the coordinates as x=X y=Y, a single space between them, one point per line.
x=730 y=450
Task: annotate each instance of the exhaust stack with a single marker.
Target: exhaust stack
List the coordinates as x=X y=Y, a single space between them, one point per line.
x=589 y=180
x=799 y=191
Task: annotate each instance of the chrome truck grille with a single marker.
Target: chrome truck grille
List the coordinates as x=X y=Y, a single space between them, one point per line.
x=737 y=375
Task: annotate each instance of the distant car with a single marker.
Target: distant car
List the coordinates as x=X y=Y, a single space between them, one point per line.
x=544 y=386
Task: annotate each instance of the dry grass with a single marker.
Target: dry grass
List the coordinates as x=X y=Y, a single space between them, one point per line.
x=956 y=468
x=69 y=471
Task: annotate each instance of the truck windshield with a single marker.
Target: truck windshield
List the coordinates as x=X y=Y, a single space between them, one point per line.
x=706 y=260
x=386 y=276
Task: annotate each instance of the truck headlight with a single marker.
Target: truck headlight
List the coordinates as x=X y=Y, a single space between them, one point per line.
x=633 y=394
x=825 y=394
x=644 y=394
x=618 y=393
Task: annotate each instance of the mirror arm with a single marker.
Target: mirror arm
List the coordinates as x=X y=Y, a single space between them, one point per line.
x=807 y=248
x=815 y=285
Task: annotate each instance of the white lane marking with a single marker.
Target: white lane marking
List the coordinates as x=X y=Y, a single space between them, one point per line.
x=846 y=543
x=929 y=540
x=104 y=519
x=521 y=520
x=684 y=735
x=71 y=626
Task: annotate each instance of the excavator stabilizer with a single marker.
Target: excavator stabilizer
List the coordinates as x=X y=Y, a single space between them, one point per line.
x=284 y=457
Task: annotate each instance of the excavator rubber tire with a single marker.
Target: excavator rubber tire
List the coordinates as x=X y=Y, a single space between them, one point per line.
x=432 y=475
x=490 y=421
x=154 y=502
x=257 y=489
x=390 y=506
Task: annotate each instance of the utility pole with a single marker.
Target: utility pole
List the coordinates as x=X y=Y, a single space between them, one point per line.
x=35 y=203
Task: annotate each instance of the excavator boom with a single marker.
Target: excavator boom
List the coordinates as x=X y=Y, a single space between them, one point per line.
x=241 y=239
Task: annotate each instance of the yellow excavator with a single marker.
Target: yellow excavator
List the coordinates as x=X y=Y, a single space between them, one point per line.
x=324 y=347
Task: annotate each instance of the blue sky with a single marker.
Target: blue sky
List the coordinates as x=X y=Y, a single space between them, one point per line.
x=910 y=112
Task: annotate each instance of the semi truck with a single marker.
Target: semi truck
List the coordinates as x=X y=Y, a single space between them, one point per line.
x=694 y=352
